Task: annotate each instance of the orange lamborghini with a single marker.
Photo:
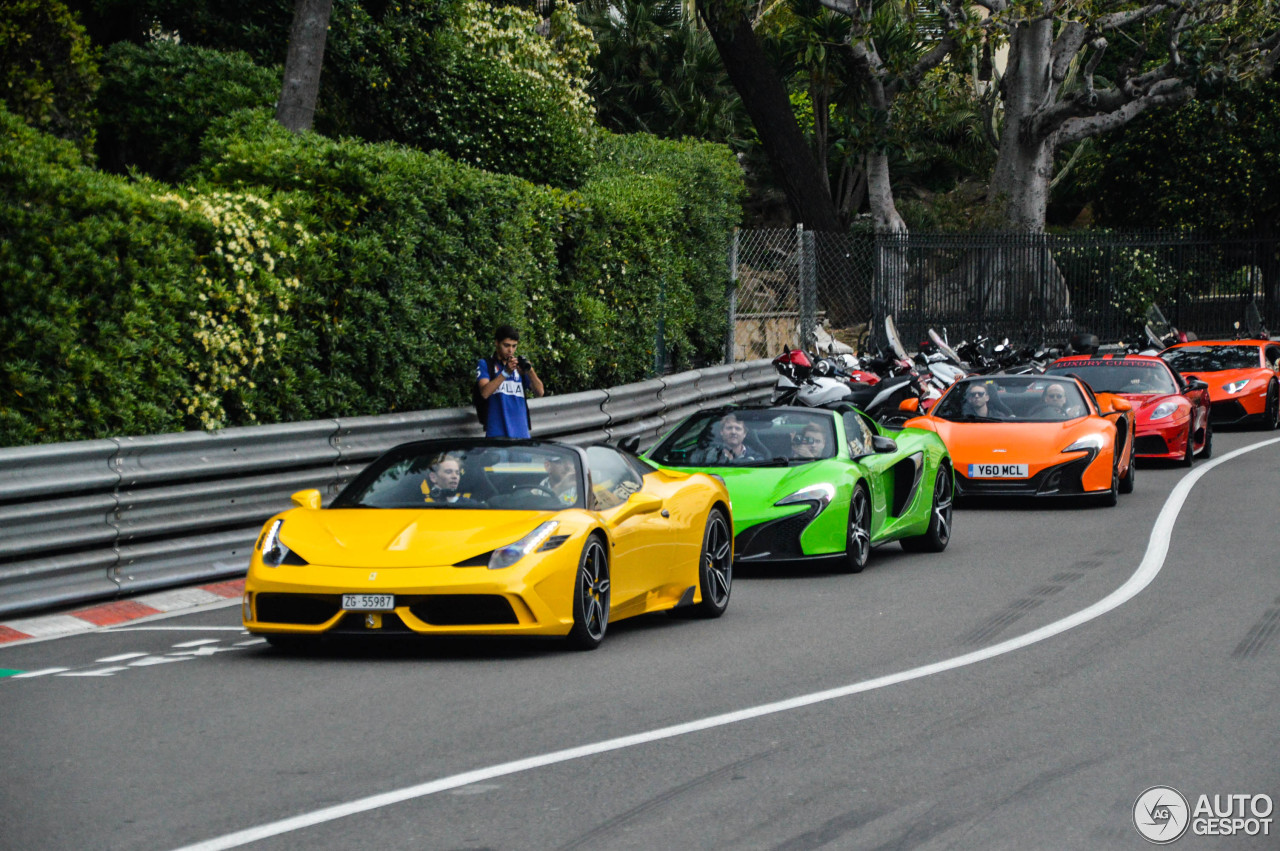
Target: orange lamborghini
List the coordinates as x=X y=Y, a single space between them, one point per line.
x=1034 y=435
x=1243 y=378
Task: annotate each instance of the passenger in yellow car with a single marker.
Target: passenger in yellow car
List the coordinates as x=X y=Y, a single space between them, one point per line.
x=562 y=479
x=443 y=478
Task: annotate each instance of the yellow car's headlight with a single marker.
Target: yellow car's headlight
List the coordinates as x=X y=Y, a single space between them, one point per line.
x=512 y=553
x=273 y=549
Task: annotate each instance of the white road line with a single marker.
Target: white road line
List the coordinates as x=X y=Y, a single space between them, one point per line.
x=179 y=628
x=98 y=672
x=50 y=626
x=158 y=660
x=43 y=672
x=182 y=598
x=1152 y=562
x=197 y=642
x=121 y=657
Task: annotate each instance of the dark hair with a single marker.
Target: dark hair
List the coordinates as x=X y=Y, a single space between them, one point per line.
x=505 y=332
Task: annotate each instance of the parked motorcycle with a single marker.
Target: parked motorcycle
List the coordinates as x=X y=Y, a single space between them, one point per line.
x=828 y=381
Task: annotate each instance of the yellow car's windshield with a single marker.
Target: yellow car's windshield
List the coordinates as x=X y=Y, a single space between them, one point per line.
x=462 y=475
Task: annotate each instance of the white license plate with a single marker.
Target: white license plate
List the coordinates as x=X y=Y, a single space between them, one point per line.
x=368 y=602
x=997 y=471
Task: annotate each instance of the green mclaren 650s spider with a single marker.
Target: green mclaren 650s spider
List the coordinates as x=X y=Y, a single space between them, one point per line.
x=817 y=483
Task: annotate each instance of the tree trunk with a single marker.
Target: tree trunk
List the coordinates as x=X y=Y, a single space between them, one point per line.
x=769 y=108
x=296 y=109
x=1024 y=165
x=884 y=212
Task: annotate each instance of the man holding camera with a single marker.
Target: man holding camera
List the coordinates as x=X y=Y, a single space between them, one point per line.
x=500 y=387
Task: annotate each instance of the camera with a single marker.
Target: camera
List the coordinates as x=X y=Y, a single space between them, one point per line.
x=523 y=363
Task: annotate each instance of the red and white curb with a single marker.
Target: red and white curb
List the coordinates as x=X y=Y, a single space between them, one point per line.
x=119 y=611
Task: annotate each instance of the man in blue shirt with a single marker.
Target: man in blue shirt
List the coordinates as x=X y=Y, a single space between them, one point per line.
x=501 y=381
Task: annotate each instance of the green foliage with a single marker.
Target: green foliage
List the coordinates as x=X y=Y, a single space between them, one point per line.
x=129 y=308
x=303 y=277
x=1218 y=167
x=158 y=99
x=658 y=72
x=259 y=28
x=420 y=257
x=469 y=79
x=417 y=259
x=650 y=244
x=49 y=70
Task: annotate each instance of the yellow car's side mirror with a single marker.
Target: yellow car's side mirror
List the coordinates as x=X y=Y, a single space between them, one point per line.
x=637 y=503
x=306 y=499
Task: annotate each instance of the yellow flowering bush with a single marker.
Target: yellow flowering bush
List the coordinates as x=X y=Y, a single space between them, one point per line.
x=244 y=291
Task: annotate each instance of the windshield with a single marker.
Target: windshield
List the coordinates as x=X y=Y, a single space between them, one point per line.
x=1213 y=358
x=998 y=398
x=462 y=474
x=1149 y=378
x=748 y=437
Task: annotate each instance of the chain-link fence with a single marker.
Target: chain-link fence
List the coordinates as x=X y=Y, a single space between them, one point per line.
x=793 y=287
x=821 y=290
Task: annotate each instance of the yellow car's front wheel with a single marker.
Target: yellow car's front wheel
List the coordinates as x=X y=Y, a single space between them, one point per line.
x=591 y=596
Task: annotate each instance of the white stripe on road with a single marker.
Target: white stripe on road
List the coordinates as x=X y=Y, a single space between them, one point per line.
x=181 y=628
x=97 y=672
x=43 y=672
x=50 y=626
x=122 y=657
x=1152 y=562
x=183 y=598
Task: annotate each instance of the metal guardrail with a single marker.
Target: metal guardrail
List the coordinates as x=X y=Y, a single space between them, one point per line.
x=100 y=519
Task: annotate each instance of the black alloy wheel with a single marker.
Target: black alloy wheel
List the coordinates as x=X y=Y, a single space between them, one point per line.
x=715 y=567
x=1189 y=457
x=938 y=534
x=591 y=597
x=1271 y=419
x=1207 y=451
x=858 y=540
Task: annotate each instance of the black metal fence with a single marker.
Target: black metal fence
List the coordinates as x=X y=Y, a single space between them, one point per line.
x=1041 y=288
x=801 y=288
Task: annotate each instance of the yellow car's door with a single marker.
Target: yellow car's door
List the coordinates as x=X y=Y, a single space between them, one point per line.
x=640 y=558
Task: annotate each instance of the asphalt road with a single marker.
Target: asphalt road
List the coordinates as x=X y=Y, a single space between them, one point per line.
x=1043 y=746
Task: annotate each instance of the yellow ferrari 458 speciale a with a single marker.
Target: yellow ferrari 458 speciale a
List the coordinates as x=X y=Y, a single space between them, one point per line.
x=474 y=536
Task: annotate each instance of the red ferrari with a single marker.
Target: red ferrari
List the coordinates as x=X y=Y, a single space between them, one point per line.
x=1172 y=412
x=1243 y=378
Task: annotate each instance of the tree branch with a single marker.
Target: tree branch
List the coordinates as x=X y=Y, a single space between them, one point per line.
x=1120 y=20
x=1068 y=43
x=1171 y=92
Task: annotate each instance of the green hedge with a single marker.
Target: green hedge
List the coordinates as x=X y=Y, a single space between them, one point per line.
x=157 y=100
x=131 y=308
x=302 y=277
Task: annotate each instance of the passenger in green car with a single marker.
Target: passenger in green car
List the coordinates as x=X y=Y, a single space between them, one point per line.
x=811 y=442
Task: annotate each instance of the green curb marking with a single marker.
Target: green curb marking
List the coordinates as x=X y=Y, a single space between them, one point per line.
x=7 y=672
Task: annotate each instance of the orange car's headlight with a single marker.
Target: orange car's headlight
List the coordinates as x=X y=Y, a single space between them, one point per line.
x=1084 y=444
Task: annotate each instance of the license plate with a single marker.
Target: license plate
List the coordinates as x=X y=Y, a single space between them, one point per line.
x=997 y=471
x=368 y=602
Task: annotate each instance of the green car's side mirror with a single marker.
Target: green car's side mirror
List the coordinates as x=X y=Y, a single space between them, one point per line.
x=880 y=443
